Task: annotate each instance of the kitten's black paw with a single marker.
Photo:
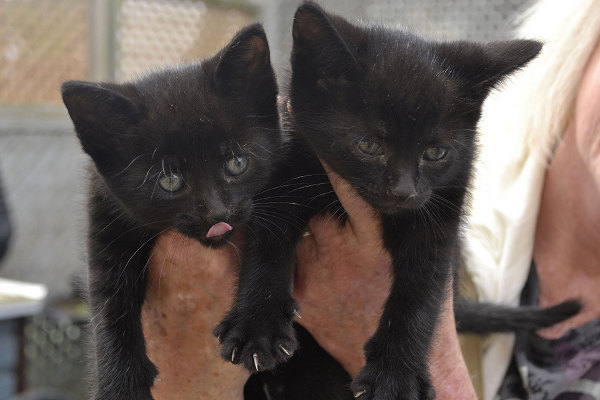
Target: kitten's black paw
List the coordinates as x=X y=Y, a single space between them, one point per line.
x=377 y=382
x=259 y=341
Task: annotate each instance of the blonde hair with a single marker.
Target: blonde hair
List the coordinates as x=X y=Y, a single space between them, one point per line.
x=538 y=104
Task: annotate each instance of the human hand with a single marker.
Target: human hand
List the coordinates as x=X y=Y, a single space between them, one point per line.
x=189 y=290
x=343 y=278
x=342 y=283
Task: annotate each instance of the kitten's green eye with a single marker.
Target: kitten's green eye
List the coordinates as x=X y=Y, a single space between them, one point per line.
x=237 y=165
x=435 y=153
x=370 y=147
x=171 y=183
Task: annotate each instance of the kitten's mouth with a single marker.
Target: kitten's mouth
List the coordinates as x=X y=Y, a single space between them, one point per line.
x=215 y=235
x=218 y=235
x=395 y=205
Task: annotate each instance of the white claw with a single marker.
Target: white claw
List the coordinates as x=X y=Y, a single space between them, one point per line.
x=297 y=314
x=233 y=355
x=286 y=351
x=358 y=394
x=255 y=358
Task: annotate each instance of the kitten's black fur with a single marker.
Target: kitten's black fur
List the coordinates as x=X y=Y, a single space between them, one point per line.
x=483 y=318
x=189 y=124
x=395 y=115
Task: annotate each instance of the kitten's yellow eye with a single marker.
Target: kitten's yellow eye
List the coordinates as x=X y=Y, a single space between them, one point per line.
x=237 y=165
x=435 y=153
x=370 y=147
x=171 y=183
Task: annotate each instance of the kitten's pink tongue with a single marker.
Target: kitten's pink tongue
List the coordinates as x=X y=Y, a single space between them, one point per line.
x=218 y=229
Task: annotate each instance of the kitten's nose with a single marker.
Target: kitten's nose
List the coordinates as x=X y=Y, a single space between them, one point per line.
x=405 y=188
x=216 y=210
x=218 y=215
x=405 y=197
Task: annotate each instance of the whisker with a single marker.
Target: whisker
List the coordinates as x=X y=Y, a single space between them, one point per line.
x=155 y=183
x=323 y=194
x=237 y=250
x=131 y=230
x=130 y=164
x=261 y=147
x=283 y=202
x=266 y=226
x=146 y=177
x=288 y=182
x=138 y=249
x=309 y=186
x=121 y=215
x=289 y=221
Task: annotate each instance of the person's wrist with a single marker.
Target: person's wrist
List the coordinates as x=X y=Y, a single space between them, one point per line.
x=188 y=362
x=448 y=369
x=189 y=289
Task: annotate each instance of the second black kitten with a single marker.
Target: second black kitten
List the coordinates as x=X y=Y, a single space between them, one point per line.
x=404 y=110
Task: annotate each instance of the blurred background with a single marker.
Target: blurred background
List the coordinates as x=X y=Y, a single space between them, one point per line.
x=42 y=186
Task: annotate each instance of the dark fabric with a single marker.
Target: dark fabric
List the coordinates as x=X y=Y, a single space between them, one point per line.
x=567 y=368
x=5 y=230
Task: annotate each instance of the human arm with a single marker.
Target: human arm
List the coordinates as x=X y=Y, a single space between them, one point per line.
x=189 y=289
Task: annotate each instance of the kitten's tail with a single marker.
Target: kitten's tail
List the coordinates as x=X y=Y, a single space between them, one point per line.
x=476 y=317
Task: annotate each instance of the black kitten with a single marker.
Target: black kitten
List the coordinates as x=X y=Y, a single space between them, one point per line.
x=186 y=148
x=395 y=115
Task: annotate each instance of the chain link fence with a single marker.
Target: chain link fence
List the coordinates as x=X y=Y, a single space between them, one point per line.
x=41 y=44
x=45 y=42
x=482 y=20
x=158 y=33
x=55 y=348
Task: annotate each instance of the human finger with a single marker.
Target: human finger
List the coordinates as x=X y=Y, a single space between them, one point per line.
x=362 y=218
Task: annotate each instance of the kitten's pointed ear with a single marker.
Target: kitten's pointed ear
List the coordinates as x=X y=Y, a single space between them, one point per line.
x=485 y=65
x=244 y=65
x=101 y=116
x=320 y=52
